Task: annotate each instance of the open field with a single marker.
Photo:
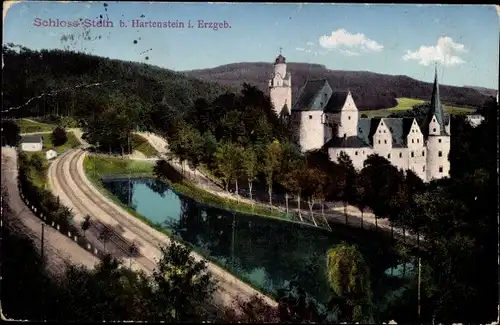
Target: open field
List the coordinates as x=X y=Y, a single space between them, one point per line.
x=29 y=126
x=408 y=103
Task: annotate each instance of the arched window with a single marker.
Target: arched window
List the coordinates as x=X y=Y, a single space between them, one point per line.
x=412 y=154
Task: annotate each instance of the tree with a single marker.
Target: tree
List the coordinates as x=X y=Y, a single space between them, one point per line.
x=133 y=251
x=59 y=136
x=10 y=133
x=85 y=224
x=183 y=286
x=251 y=167
x=37 y=162
x=349 y=180
x=105 y=236
x=225 y=162
x=349 y=277
x=293 y=180
x=272 y=159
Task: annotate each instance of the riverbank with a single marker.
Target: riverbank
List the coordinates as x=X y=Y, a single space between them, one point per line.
x=97 y=167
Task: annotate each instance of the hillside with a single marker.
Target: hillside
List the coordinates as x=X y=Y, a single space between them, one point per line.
x=370 y=90
x=29 y=74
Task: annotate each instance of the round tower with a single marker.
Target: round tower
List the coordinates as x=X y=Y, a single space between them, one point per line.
x=280 y=66
x=311 y=130
x=437 y=163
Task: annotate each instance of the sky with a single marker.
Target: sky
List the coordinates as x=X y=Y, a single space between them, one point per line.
x=390 y=39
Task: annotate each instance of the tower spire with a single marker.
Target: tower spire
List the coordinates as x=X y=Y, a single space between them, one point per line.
x=281 y=49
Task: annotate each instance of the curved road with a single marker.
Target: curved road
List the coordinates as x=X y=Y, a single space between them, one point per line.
x=68 y=181
x=59 y=249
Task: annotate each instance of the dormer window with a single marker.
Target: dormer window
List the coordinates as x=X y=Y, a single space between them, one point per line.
x=434 y=130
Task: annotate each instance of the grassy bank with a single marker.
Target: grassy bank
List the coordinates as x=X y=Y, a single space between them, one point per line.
x=96 y=167
x=32 y=126
x=142 y=145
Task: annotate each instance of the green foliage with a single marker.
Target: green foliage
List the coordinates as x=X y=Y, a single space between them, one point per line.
x=59 y=136
x=349 y=278
x=10 y=133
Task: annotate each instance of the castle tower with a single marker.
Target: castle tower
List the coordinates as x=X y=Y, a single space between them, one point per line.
x=348 y=118
x=436 y=130
x=280 y=86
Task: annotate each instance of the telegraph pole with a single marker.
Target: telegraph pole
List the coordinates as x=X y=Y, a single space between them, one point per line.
x=419 y=282
x=43 y=235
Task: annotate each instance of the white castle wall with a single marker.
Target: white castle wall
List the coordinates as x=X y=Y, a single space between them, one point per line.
x=438 y=148
x=280 y=96
x=311 y=130
x=357 y=155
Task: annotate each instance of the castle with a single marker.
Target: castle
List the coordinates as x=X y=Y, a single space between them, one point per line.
x=327 y=119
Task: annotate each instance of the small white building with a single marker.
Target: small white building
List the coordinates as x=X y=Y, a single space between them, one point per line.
x=51 y=154
x=31 y=143
x=475 y=119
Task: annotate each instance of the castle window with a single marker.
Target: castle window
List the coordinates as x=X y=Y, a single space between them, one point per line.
x=423 y=153
x=379 y=131
x=412 y=140
x=400 y=155
x=310 y=117
x=356 y=153
x=385 y=141
x=423 y=169
x=439 y=140
x=440 y=154
x=418 y=140
x=440 y=169
x=412 y=154
x=434 y=130
x=348 y=117
x=388 y=156
x=378 y=141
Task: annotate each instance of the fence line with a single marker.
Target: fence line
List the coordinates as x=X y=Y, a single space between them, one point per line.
x=80 y=240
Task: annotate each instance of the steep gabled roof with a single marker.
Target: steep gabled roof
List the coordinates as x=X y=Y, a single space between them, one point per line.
x=31 y=139
x=399 y=128
x=285 y=111
x=336 y=102
x=347 y=142
x=307 y=99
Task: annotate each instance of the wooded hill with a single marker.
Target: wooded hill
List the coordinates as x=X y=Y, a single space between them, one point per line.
x=29 y=73
x=370 y=90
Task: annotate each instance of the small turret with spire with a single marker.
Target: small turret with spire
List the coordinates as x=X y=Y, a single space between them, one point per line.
x=436 y=111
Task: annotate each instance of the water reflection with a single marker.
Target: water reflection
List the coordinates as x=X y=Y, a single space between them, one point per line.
x=266 y=252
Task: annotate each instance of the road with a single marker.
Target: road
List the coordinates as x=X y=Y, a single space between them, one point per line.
x=59 y=249
x=67 y=180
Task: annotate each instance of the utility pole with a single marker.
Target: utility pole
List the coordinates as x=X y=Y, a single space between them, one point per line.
x=43 y=235
x=419 y=282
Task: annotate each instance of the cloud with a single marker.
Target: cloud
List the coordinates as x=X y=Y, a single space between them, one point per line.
x=346 y=41
x=349 y=53
x=444 y=52
x=309 y=43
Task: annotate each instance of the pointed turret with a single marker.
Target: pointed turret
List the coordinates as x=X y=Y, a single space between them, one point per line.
x=436 y=106
x=435 y=109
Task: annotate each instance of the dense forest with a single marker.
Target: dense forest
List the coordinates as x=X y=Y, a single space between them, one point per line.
x=370 y=90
